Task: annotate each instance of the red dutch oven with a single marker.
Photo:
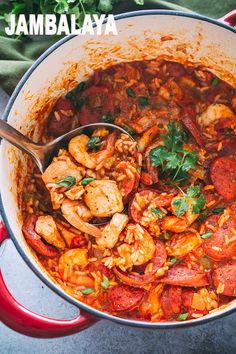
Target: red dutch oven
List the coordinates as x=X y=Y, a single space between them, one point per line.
x=209 y=42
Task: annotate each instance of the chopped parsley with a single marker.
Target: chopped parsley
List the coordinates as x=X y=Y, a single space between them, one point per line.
x=80 y=87
x=183 y=204
x=86 y=181
x=130 y=92
x=105 y=282
x=206 y=235
x=173 y=260
x=67 y=182
x=157 y=212
x=94 y=142
x=143 y=101
x=107 y=118
x=215 y=81
x=218 y=210
x=87 y=291
x=171 y=157
x=182 y=316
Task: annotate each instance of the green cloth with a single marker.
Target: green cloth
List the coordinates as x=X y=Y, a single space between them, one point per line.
x=16 y=56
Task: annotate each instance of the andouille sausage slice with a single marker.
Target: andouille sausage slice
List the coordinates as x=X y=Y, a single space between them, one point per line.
x=181 y=275
x=124 y=297
x=135 y=279
x=171 y=301
x=223 y=176
x=188 y=117
x=35 y=241
x=221 y=245
x=224 y=279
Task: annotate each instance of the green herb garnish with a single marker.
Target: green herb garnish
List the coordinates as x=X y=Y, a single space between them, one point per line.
x=67 y=182
x=157 y=212
x=94 y=142
x=86 y=181
x=130 y=92
x=87 y=291
x=183 y=204
x=105 y=283
x=206 y=235
x=171 y=157
x=215 y=81
x=173 y=260
x=182 y=316
x=218 y=211
x=70 y=96
x=80 y=87
x=107 y=118
x=143 y=101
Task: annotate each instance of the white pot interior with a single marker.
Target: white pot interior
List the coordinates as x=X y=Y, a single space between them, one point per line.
x=141 y=37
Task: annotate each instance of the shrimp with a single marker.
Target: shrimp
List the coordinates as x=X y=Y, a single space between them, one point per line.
x=76 y=213
x=111 y=232
x=103 y=198
x=46 y=227
x=175 y=224
x=137 y=249
x=66 y=266
x=108 y=151
x=60 y=169
x=213 y=113
x=78 y=149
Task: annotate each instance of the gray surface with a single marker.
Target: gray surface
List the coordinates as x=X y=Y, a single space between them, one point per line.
x=104 y=337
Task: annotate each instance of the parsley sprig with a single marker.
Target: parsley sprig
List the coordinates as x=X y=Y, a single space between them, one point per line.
x=189 y=201
x=173 y=159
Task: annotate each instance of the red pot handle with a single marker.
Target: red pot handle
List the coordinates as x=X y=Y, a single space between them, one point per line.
x=21 y=320
x=229 y=19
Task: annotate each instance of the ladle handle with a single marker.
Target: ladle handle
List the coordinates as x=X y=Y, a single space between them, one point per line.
x=14 y=137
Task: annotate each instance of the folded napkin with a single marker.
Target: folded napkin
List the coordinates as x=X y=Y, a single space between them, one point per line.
x=16 y=56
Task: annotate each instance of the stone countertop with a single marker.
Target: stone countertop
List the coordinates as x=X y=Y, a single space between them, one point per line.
x=104 y=337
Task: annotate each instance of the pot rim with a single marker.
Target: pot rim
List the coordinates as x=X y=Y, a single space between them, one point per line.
x=53 y=286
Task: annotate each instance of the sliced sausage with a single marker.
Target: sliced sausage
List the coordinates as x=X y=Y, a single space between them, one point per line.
x=225 y=277
x=183 y=276
x=124 y=297
x=189 y=120
x=223 y=176
x=35 y=241
x=171 y=301
x=219 y=246
x=135 y=279
x=129 y=185
x=61 y=118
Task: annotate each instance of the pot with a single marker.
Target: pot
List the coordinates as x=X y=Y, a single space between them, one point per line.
x=141 y=35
